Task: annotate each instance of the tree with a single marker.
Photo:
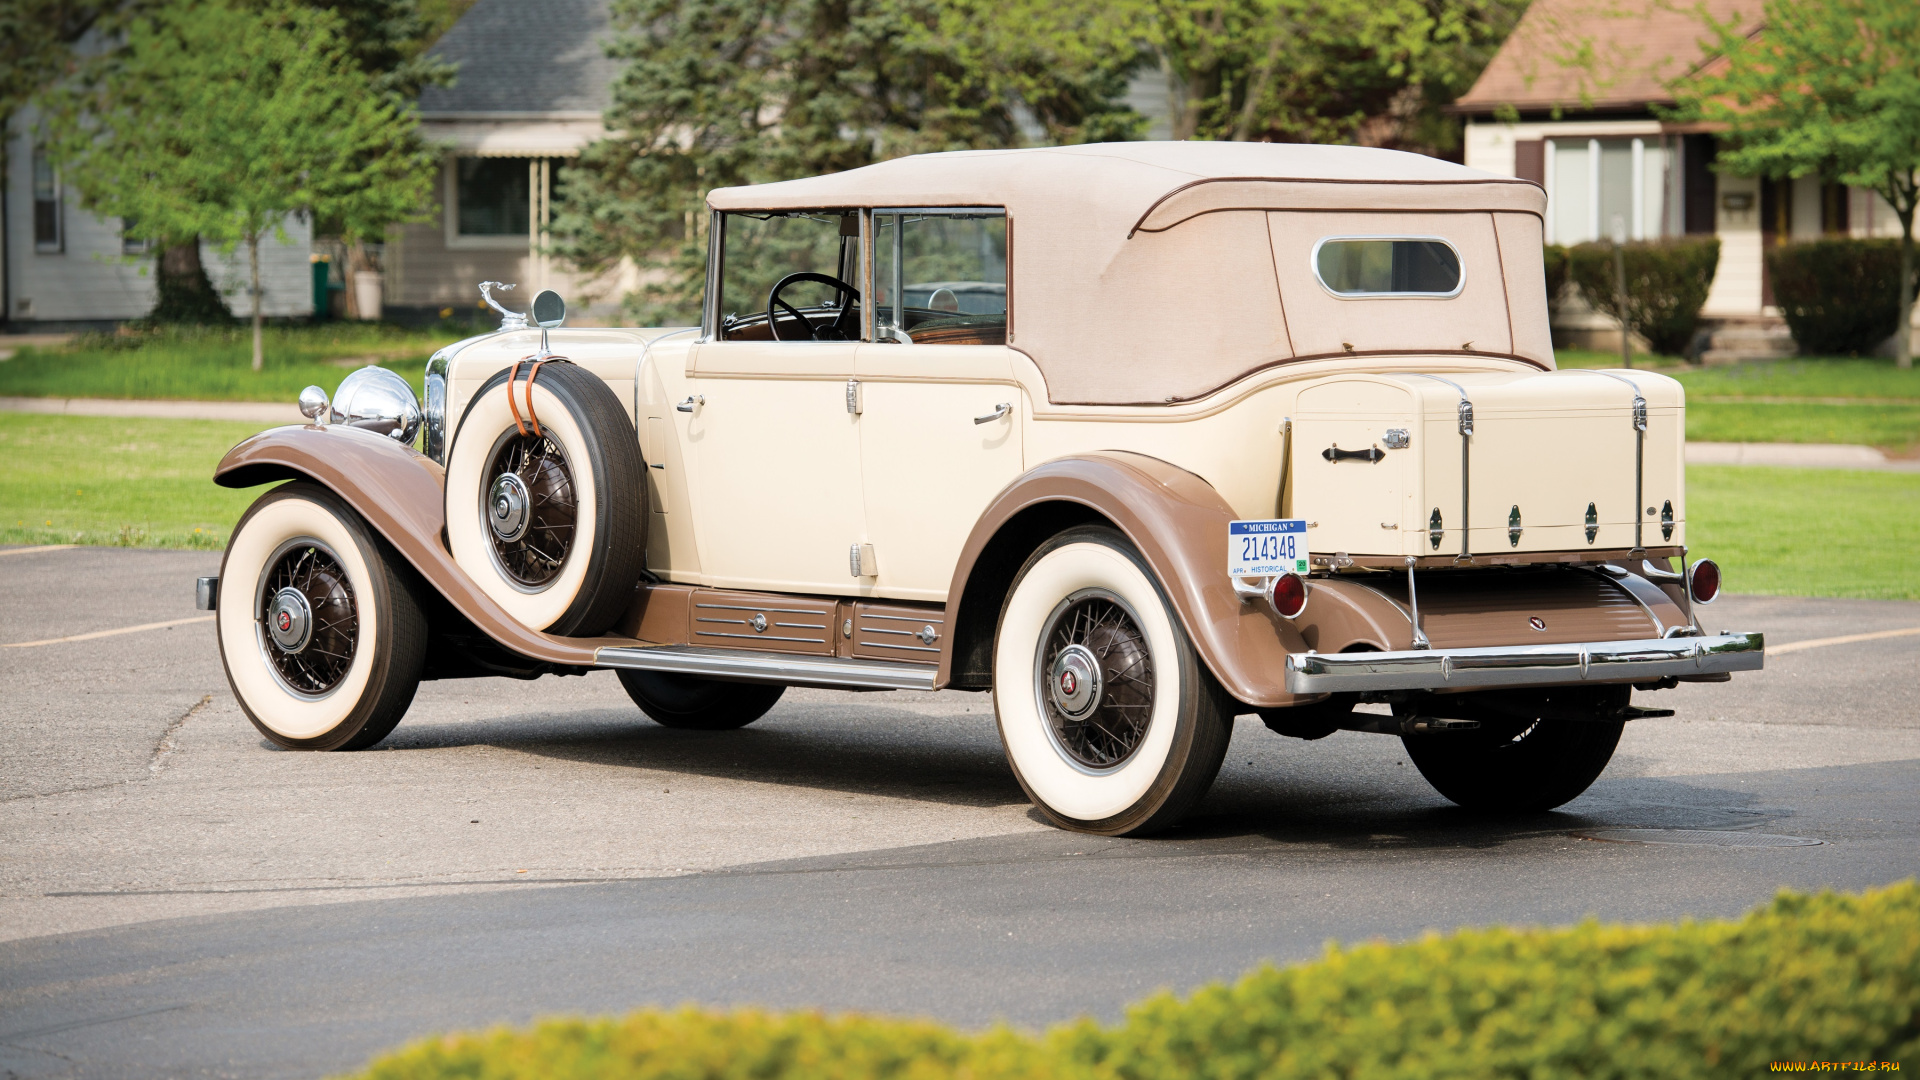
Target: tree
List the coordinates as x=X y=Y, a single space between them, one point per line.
x=219 y=120
x=1376 y=72
x=1826 y=87
x=722 y=92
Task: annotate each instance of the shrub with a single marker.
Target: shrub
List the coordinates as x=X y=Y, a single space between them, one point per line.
x=1667 y=282
x=1555 y=257
x=1806 y=978
x=1840 y=296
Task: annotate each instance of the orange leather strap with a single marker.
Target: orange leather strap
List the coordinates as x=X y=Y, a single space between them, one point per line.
x=532 y=374
x=511 y=404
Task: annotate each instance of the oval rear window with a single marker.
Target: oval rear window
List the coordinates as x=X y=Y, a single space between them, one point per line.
x=1387 y=266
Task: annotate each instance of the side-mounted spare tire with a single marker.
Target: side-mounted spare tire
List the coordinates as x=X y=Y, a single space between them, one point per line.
x=547 y=510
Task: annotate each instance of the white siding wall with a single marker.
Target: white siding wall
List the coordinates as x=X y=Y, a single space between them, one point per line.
x=92 y=280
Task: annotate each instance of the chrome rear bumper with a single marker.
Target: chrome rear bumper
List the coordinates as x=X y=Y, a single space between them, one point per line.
x=1524 y=665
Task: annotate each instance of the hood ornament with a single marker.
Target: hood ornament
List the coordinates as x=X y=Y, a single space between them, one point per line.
x=509 y=320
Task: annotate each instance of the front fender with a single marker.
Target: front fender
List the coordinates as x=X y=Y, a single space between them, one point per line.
x=402 y=494
x=1178 y=522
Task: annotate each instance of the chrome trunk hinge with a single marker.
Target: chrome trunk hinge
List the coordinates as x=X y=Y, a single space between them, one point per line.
x=1639 y=461
x=1466 y=472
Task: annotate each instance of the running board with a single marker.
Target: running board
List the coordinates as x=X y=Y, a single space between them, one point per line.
x=788 y=668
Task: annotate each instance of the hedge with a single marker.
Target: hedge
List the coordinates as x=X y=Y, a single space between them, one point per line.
x=1667 y=282
x=1840 y=296
x=1554 y=256
x=1826 y=978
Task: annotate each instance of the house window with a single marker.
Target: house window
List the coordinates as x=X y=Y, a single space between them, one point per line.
x=49 y=234
x=1591 y=183
x=131 y=243
x=493 y=196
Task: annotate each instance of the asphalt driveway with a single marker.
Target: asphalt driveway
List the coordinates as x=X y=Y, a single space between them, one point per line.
x=178 y=897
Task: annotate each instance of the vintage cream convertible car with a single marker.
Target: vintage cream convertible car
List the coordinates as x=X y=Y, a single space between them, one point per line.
x=1134 y=437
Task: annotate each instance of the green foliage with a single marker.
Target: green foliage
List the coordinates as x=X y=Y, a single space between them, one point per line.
x=724 y=92
x=1758 y=523
x=36 y=44
x=212 y=363
x=1376 y=72
x=218 y=120
x=1829 y=88
x=1841 y=296
x=1667 y=284
x=1825 y=978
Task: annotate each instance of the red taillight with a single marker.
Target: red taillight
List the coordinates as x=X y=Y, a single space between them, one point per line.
x=1703 y=581
x=1288 y=595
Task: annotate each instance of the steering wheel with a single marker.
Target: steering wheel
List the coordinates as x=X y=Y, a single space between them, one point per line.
x=833 y=331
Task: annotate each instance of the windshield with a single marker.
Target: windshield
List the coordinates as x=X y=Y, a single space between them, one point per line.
x=760 y=249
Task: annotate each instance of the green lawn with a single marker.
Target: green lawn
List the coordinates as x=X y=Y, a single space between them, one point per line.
x=1808 y=532
x=215 y=364
x=132 y=483
x=1798 y=400
x=146 y=483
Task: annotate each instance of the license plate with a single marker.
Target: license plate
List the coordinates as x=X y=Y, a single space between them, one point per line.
x=1267 y=547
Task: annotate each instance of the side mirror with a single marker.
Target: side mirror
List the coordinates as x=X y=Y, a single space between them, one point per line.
x=549 y=310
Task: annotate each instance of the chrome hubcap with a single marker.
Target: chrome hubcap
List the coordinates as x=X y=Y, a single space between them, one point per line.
x=1073 y=681
x=507 y=507
x=290 y=620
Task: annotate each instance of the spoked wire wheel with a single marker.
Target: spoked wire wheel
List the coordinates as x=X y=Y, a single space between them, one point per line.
x=308 y=619
x=530 y=509
x=1095 y=680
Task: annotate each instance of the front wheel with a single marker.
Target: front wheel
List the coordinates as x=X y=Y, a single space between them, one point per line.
x=320 y=628
x=1516 y=766
x=1110 y=721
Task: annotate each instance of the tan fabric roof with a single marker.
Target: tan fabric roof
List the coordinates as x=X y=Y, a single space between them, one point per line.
x=1637 y=48
x=1146 y=272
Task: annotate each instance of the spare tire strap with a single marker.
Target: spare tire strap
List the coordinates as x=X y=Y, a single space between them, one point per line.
x=512 y=376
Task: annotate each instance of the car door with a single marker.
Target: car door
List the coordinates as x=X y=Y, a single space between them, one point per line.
x=940 y=411
x=774 y=447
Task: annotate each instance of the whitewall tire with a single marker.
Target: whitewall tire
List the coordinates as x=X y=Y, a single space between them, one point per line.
x=550 y=525
x=319 y=623
x=1110 y=721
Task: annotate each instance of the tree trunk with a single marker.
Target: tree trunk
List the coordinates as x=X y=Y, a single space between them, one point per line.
x=253 y=266
x=1903 y=337
x=185 y=293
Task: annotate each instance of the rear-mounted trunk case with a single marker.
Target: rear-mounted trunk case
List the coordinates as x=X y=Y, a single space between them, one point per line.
x=1562 y=461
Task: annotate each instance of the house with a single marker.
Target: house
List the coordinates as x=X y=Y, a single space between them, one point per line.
x=63 y=269
x=534 y=79
x=1568 y=102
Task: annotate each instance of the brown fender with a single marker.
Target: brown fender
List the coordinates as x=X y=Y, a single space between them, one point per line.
x=1179 y=524
x=402 y=494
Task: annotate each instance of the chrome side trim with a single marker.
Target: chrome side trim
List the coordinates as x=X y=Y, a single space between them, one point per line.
x=769 y=667
x=1524 y=665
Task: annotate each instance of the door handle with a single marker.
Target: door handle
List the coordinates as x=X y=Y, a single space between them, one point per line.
x=999 y=412
x=692 y=400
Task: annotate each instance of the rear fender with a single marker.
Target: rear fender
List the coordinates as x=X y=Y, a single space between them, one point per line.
x=402 y=495
x=1179 y=525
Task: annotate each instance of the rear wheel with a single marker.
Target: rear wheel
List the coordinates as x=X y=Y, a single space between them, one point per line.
x=319 y=623
x=1110 y=721
x=694 y=703
x=1516 y=766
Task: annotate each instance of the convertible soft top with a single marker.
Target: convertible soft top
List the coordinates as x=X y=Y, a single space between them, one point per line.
x=1146 y=273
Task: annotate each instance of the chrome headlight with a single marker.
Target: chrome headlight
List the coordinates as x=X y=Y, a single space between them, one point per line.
x=435 y=444
x=377 y=400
